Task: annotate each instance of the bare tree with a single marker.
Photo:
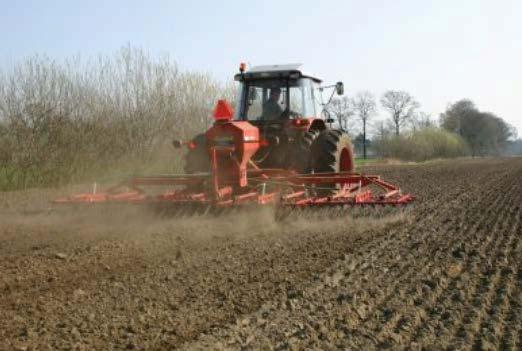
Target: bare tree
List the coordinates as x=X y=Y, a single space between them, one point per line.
x=401 y=106
x=421 y=120
x=365 y=106
x=382 y=129
x=342 y=110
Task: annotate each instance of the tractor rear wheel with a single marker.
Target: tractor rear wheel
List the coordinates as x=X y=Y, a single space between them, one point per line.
x=197 y=159
x=332 y=151
x=301 y=155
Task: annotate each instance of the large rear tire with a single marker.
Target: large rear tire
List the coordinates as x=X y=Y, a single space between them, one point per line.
x=331 y=152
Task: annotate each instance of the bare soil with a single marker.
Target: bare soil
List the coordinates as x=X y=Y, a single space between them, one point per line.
x=446 y=274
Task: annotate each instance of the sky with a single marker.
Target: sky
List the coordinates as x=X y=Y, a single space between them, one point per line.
x=438 y=51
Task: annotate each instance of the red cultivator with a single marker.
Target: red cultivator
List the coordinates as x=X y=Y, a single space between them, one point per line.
x=235 y=181
x=268 y=187
x=288 y=160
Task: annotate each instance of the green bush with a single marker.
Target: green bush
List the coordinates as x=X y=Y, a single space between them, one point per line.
x=422 y=145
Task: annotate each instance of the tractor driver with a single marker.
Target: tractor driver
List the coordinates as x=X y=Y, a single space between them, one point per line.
x=271 y=108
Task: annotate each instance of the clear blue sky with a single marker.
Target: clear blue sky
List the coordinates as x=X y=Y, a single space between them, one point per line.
x=439 y=51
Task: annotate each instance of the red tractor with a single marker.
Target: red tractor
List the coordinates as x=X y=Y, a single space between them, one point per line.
x=286 y=106
x=276 y=148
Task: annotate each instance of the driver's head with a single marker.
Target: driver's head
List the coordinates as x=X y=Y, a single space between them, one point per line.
x=275 y=93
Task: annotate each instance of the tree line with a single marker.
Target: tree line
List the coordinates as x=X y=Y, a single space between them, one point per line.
x=479 y=133
x=63 y=122
x=485 y=132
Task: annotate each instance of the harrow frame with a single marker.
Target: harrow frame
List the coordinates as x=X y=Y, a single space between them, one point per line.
x=286 y=189
x=235 y=180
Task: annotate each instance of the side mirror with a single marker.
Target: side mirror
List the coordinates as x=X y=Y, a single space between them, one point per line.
x=339 y=88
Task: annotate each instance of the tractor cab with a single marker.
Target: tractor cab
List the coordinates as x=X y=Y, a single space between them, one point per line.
x=286 y=105
x=279 y=94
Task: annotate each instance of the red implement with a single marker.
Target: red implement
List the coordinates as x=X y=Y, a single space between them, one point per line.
x=235 y=180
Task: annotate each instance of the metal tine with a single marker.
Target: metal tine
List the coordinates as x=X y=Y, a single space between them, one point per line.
x=221 y=211
x=195 y=210
x=298 y=213
x=178 y=211
x=355 y=210
x=217 y=211
x=188 y=212
x=283 y=212
x=293 y=213
x=167 y=211
x=181 y=212
x=313 y=213
x=340 y=211
x=234 y=211
x=227 y=211
x=162 y=210
x=202 y=210
x=206 y=210
x=334 y=211
x=288 y=211
x=328 y=213
x=344 y=212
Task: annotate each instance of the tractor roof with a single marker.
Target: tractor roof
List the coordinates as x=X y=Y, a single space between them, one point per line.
x=289 y=70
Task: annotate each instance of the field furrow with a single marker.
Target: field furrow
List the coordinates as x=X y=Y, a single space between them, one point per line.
x=447 y=274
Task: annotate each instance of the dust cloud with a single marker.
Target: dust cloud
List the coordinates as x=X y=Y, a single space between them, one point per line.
x=31 y=222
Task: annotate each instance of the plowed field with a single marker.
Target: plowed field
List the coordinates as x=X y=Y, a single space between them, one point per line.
x=446 y=274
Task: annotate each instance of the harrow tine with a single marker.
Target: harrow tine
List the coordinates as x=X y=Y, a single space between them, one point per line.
x=300 y=196
x=185 y=212
x=349 y=211
x=177 y=211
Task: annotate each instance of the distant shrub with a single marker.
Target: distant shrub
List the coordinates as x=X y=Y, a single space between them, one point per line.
x=422 y=145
